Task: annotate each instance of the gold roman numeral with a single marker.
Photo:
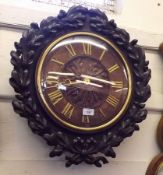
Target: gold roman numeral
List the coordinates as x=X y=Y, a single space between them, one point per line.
x=87 y=48
x=118 y=84
x=102 y=112
x=51 y=79
x=113 y=101
x=68 y=110
x=113 y=68
x=85 y=119
x=55 y=96
x=70 y=49
x=102 y=54
x=57 y=61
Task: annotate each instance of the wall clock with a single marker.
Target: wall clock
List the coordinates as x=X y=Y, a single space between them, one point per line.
x=160 y=133
x=155 y=166
x=81 y=83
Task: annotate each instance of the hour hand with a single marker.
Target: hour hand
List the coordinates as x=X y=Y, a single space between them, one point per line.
x=52 y=73
x=53 y=77
x=98 y=79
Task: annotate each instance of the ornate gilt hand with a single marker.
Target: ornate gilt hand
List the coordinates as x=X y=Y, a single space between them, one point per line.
x=85 y=79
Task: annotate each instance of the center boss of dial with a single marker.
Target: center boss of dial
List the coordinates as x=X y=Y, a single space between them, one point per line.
x=87 y=87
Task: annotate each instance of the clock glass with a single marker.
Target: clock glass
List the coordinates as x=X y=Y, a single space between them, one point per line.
x=83 y=81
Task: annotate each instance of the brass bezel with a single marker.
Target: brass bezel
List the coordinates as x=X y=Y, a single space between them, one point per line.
x=48 y=109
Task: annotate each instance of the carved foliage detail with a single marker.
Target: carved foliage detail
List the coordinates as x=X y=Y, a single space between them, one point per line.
x=81 y=148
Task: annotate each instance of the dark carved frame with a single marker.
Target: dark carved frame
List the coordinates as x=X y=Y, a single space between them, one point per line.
x=77 y=147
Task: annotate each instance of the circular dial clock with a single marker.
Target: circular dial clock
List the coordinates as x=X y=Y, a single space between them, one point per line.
x=83 y=81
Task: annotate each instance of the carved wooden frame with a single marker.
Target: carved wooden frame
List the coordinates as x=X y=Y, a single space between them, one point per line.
x=160 y=133
x=77 y=147
x=155 y=165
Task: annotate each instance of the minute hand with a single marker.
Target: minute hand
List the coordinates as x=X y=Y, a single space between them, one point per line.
x=98 y=79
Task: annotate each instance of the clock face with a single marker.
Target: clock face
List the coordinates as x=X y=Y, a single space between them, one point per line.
x=83 y=82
